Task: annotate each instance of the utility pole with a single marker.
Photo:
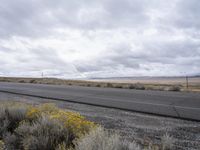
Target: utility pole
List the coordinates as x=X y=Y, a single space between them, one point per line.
x=187 y=85
x=42 y=75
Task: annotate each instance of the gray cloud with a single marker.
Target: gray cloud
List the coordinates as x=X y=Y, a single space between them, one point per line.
x=188 y=13
x=33 y=63
x=99 y=37
x=180 y=56
x=31 y=18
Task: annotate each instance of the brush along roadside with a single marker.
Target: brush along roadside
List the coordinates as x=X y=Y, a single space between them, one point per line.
x=46 y=127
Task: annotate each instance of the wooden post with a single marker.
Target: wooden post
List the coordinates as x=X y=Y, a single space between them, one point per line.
x=187 y=85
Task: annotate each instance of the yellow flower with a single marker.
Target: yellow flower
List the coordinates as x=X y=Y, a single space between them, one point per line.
x=2 y=145
x=72 y=120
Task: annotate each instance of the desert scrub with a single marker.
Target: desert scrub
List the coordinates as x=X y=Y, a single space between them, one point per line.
x=44 y=134
x=2 y=145
x=101 y=139
x=42 y=127
x=73 y=121
x=46 y=127
x=11 y=114
x=167 y=142
x=175 y=88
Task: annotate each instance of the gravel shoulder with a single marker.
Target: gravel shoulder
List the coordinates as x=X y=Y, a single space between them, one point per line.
x=133 y=126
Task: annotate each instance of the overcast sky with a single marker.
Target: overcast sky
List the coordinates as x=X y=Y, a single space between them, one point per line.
x=99 y=38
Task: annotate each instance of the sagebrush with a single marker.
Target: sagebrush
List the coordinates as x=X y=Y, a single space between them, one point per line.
x=46 y=127
x=42 y=127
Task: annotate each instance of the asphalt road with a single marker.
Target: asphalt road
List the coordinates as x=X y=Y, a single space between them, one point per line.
x=174 y=104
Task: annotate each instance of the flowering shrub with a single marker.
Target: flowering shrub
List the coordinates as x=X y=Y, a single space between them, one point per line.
x=73 y=121
x=45 y=127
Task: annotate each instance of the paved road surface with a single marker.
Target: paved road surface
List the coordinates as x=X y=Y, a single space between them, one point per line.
x=174 y=104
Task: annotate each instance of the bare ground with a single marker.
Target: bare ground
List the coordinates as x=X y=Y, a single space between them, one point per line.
x=134 y=126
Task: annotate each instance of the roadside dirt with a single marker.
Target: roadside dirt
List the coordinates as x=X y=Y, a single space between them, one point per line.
x=132 y=126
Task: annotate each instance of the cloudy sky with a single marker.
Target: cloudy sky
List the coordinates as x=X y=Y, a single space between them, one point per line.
x=99 y=38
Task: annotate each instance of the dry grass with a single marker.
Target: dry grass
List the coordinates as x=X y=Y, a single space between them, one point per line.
x=167 y=141
x=171 y=84
x=101 y=139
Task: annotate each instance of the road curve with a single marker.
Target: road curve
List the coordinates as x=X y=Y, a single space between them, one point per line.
x=174 y=104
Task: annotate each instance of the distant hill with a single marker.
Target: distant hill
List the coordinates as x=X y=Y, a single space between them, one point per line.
x=142 y=77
